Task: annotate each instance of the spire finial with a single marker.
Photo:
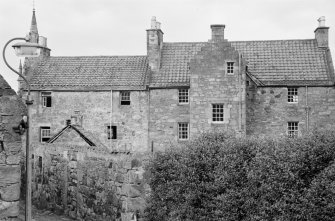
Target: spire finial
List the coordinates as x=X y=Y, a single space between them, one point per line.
x=33 y=5
x=33 y=28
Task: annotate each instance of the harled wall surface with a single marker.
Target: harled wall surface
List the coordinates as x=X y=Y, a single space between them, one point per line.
x=11 y=109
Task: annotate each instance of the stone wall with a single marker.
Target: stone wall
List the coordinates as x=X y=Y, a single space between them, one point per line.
x=11 y=111
x=268 y=110
x=211 y=84
x=95 y=109
x=165 y=113
x=89 y=184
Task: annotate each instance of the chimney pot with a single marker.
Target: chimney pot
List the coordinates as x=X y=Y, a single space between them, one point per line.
x=322 y=21
x=153 y=22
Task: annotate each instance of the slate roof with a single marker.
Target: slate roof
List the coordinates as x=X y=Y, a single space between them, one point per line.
x=91 y=73
x=275 y=62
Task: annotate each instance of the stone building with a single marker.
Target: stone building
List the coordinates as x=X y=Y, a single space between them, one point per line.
x=178 y=90
x=11 y=111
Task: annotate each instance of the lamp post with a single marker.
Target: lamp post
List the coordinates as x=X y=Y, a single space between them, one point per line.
x=25 y=49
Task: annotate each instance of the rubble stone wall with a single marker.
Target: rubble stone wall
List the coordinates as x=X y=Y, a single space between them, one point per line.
x=268 y=110
x=94 y=108
x=11 y=109
x=88 y=184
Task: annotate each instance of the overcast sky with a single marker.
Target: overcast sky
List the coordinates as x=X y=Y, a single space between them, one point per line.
x=117 y=27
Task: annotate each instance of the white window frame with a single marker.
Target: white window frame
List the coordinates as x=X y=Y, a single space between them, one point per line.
x=45 y=96
x=218 y=113
x=45 y=132
x=125 y=97
x=293 y=129
x=183 y=131
x=183 y=96
x=230 y=67
x=292 y=95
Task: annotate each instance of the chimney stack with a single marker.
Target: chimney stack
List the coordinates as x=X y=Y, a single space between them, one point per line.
x=217 y=32
x=154 y=44
x=321 y=33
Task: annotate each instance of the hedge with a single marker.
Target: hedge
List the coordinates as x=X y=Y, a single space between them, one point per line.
x=219 y=177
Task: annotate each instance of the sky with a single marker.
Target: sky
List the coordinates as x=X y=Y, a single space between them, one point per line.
x=118 y=27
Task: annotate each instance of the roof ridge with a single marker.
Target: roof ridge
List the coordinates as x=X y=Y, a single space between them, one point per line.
x=307 y=39
x=95 y=56
x=197 y=42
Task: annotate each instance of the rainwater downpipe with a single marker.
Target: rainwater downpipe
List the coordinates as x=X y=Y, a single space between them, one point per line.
x=110 y=121
x=240 y=93
x=307 y=110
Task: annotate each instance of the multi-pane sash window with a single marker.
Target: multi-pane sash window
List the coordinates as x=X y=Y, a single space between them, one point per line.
x=46 y=99
x=111 y=132
x=183 y=131
x=218 y=112
x=230 y=67
x=183 y=96
x=125 y=97
x=292 y=95
x=45 y=134
x=292 y=129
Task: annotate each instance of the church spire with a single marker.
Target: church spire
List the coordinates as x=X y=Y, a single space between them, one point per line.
x=33 y=29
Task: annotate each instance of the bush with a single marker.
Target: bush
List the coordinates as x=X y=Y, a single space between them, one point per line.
x=219 y=177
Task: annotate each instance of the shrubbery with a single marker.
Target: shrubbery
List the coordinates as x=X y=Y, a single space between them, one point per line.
x=218 y=177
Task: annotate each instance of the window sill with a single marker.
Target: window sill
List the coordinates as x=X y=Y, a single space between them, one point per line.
x=219 y=122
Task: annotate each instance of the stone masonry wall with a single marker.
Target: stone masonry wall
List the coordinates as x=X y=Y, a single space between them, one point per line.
x=88 y=184
x=211 y=84
x=268 y=110
x=11 y=111
x=165 y=113
x=95 y=109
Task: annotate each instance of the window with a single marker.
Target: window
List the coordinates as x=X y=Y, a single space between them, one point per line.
x=45 y=134
x=183 y=131
x=125 y=98
x=46 y=99
x=230 y=67
x=292 y=129
x=111 y=132
x=218 y=112
x=183 y=96
x=292 y=95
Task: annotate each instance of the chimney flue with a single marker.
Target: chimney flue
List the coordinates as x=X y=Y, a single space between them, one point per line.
x=217 y=32
x=321 y=33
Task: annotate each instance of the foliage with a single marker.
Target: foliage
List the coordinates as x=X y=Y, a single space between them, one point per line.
x=219 y=177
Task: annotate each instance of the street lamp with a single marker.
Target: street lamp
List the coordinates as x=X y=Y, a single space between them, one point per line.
x=25 y=49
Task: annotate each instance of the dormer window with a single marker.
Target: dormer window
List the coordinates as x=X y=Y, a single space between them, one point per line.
x=230 y=67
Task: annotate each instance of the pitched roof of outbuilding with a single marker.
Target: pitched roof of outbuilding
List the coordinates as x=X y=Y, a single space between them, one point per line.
x=91 y=73
x=275 y=62
x=87 y=136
